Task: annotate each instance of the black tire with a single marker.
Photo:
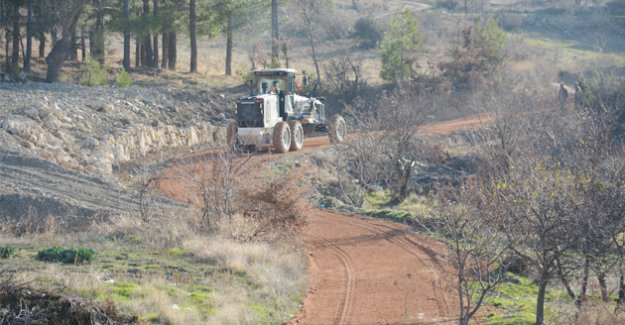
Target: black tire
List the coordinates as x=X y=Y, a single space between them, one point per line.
x=231 y=135
x=281 y=137
x=297 y=135
x=337 y=129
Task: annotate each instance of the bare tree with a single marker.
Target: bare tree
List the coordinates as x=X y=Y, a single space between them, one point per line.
x=309 y=10
x=477 y=247
x=388 y=153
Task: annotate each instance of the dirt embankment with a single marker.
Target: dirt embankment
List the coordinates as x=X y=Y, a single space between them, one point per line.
x=60 y=143
x=95 y=129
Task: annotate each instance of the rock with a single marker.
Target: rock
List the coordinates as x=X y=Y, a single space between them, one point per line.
x=220 y=117
x=90 y=143
x=33 y=113
x=51 y=122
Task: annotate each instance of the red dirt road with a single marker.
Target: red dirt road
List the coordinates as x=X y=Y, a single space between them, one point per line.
x=374 y=272
x=361 y=271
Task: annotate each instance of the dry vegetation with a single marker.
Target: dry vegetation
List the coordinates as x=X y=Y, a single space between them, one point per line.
x=166 y=271
x=227 y=262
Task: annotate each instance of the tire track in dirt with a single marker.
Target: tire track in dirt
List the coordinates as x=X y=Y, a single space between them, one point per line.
x=403 y=242
x=345 y=305
x=394 y=282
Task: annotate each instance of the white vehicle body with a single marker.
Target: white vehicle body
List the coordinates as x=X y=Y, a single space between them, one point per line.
x=273 y=101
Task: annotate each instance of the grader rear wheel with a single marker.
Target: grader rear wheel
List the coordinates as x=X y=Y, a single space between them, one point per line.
x=282 y=137
x=297 y=135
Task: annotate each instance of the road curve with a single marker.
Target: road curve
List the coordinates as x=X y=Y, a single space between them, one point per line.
x=361 y=271
x=366 y=271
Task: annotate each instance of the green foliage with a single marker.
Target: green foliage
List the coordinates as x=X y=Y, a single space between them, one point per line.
x=516 y=299
x=275 y=64
x=124 y=290
x=378 y=199
x=244 y=73
x=123 y=79
x=93 y=74
x=401 y=40
x=366 y=34
x=490 y=40
x=66 y=255
x=7 y=251
x=480 y=56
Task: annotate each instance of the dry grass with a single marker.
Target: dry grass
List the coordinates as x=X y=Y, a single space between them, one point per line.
x=165 y=272
x=591 y=313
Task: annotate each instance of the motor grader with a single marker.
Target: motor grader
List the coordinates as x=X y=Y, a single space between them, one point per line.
x=275 y=113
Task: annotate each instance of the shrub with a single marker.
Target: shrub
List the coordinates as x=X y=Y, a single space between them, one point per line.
x=7 y=251
x=479 y=57
x=67 y=256
x=123 y=79
x=93 y=74
x=245 y=74
x=366 y=34
x=401 y=41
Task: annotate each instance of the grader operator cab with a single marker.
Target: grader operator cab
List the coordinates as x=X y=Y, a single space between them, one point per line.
x=275 y=114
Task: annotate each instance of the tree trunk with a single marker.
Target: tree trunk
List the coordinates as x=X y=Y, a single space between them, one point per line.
x=540 y=301
x=582 y=295
x=156 y=58
x=172 y=48
x=42 y=44
x=142 y=53
x=460 y=287
x=29 y=37
x=603 y=287
x=165 y=41
x=148 y=56
x=137 y=52
x=565 y=281
x=73 y=47
x=7 y=57
x=125 y=15
x=92 y=41
x=621 y=290
x=275 y=33
x=54 y=36
x=285 y=52
x=311 y=39
x=15 y=55
x=229 y=46
x=98 y=53
x=60 y=51
x=193 y=36
x=83 y=46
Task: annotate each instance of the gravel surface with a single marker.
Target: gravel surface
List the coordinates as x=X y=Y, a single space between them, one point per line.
x=59 y=143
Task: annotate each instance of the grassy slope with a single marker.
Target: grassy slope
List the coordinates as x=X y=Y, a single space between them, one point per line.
x=204 y=280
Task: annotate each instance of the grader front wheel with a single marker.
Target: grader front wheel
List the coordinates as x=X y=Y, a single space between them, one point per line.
x=337 y=129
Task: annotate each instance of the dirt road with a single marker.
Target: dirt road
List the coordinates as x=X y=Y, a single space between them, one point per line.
x=374 y=272
x=362 y=271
